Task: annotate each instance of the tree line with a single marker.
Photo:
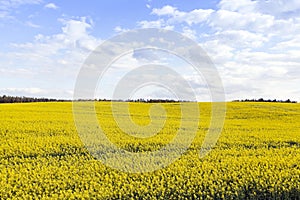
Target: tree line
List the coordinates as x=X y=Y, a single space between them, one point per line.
x=16 y=99
x=266 y=100
x=138 y=100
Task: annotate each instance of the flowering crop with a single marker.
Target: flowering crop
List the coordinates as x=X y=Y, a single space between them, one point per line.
x=256 y=157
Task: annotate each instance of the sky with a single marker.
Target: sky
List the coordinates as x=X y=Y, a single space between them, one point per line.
x=255 y=45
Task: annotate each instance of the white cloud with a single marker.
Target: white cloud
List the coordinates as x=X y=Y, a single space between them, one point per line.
x=255 y=51
x=230 y=20
x=218 y=51
x=243 y=6
x=241 y=38
x=31 y=91
x=8 y=6
x=76 y=30
x=186 y=31
x=37 y=92
x=253 y=43
x=273 y=7
x=166 y=10
x=119 y=29
x=74 y=36
x=50 y=61
x=51 y=6
x=151 y=24
x=175 y=16
x=155 y=24
x=261 y=74
x=278 y=7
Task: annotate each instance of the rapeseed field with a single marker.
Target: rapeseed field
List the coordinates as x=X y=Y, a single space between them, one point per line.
x=256 y=157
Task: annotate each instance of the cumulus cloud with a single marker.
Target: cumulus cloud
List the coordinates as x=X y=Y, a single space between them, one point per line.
x=119 y=29
x=226 y=19
x=50 y=59
x=74 y=36
x=175 y=16
x=243 y=6
x=166 y=10
x=241 y=38
x=155 y=24
x=278 y=7
x=51 y=6
x=188 y=32
x=274 y=7
x=254 y=44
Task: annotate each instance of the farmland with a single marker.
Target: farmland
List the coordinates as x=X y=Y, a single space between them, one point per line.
x=257 y=155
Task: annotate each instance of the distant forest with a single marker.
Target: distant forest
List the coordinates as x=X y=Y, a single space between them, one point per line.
x=16 y=99
x=12 y=99
x=265 y=100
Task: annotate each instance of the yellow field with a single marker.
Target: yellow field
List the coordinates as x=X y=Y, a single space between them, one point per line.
x=257 y=155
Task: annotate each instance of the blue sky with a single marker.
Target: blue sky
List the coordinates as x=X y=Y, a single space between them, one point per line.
x=255 y=45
